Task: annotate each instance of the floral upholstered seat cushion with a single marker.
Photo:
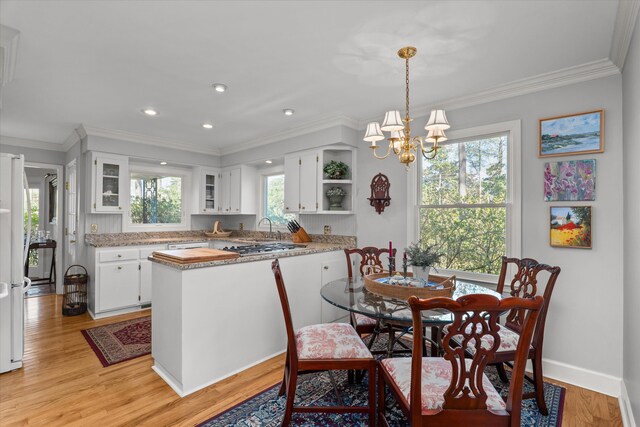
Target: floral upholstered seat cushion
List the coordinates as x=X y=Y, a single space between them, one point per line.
x=508 y=339
x=436 y=378
x=362 y=320
x=330 y=341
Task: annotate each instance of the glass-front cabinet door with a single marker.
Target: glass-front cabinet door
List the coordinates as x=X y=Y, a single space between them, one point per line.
x=210 y=181
x=110 y=190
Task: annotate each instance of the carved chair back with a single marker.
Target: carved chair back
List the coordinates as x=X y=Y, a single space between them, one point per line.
x=286 y=311
x=475 y=323
x=370 y=261
x=525 y=284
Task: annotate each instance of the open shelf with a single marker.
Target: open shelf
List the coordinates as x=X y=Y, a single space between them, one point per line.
x=337 y=181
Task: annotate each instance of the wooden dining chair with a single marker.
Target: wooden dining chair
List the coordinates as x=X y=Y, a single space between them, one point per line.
x=370 y=263
x=525 y=284
x=332 y=346
x=454 y=390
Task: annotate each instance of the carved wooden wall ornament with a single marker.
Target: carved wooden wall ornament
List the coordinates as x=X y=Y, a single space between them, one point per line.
x=380 y=193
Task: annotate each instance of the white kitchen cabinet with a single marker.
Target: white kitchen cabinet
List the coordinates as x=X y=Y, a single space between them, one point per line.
x=292 y=183
x=330 y=271
x=206 y=190
x=238 y=190
x=301 y=182
x=119 y=285
x=109 y=190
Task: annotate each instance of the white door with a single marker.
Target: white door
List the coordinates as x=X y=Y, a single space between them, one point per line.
x=333 y=270
x=234 y=191
x=292 y=183
x=145 y=281
x=224 y=192
x=119 y=285
x=71 y=225
x=308 y=182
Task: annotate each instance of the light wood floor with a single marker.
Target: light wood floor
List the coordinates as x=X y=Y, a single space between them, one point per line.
x=64 y=384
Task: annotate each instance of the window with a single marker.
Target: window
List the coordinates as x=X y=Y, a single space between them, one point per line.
x=273 y=200
x=466 y=204
x=157 y=199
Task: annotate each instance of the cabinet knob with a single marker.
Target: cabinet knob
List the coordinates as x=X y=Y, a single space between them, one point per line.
x=119 y=268
x=237 y=210
x=119 y=256
x=287 y=208
x=204 y=210
x=326 y=267
x=303 y=207
x=120 y=207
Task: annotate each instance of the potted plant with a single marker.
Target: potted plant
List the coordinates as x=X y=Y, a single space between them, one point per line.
x=422 y=258
x=335 y=196
x=336 y=170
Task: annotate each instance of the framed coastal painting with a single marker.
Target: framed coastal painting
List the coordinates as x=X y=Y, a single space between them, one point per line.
x=570 y=180
x=570 y=226
x=572 y=134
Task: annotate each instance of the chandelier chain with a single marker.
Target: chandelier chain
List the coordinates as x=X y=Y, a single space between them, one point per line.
x=407 y=86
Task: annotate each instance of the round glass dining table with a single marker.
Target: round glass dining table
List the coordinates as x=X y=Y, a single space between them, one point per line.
x=352 y=296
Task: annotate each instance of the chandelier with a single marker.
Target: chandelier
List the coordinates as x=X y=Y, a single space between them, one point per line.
x=400 y=141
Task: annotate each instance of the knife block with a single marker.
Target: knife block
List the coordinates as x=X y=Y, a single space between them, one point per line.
x=300 y=236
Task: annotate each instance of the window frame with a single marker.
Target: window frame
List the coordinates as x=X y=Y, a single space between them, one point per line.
x=186 y=177
x=264 y=174
x=514 y=192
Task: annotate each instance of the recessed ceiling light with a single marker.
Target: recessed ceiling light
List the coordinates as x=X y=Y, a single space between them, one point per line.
x=150 y=112
x=207 y=125
x=288 y=112
x=163 y=163
x=268 y=162
x=219 y=87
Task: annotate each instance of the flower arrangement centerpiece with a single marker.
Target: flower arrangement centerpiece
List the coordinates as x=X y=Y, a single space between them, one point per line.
x=422 y=258
x=336 y=170
x=335 y=196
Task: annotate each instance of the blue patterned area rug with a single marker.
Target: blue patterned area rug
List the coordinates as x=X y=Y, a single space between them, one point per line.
x=266 y=409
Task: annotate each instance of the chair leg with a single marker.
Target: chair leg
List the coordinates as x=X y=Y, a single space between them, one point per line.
x=539 y=384
x=372 y=393
x=283 y=386
x=291 y=394
x=502 y=373
x=381 y=399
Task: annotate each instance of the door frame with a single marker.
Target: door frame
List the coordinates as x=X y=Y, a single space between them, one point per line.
x=59 y=214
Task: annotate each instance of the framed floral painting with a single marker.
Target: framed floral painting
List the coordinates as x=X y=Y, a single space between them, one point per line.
x=570 y=180
x=570 y=227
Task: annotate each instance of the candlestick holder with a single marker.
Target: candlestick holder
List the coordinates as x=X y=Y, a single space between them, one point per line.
x=404 y=267
x=392 y=265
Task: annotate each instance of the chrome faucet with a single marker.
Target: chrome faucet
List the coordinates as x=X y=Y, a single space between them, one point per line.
x=270 y=226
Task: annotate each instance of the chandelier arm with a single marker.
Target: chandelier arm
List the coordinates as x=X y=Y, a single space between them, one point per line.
x=386 y=155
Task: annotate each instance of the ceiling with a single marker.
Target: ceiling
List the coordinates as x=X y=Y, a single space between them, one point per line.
x=99 y=63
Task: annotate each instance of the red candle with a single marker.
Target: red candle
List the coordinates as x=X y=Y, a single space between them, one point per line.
x=390 y=248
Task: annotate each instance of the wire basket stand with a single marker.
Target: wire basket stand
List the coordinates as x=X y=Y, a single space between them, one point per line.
x=75 y=292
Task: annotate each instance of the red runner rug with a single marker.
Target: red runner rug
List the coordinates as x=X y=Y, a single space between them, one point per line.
x=120 y=341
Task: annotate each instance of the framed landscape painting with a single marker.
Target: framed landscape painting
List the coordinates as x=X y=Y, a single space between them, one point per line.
x=570 y=180
x=572 y=134
x=570 y=227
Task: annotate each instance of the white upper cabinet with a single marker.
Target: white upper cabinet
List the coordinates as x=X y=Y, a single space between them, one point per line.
x=109 y=191
x=238 y=190
x=306 y=184
x=301 y=182
x=206 y=190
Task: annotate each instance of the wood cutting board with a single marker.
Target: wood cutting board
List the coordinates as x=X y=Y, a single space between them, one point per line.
x=191 y=256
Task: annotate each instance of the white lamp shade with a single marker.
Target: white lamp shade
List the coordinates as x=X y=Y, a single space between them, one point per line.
x=373 y=132
x=437 y=121
x=392 y=121
x=397 y=134
x=436 y=136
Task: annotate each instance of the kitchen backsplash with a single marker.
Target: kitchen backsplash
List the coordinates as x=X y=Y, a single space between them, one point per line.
x=342 y=225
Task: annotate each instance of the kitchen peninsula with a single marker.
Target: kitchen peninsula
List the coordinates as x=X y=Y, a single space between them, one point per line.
x=213 y=319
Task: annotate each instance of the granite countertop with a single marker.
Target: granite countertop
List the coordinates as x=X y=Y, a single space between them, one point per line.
x=311 y=248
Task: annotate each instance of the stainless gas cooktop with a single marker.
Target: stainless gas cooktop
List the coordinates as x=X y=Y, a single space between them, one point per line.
x=246 y=250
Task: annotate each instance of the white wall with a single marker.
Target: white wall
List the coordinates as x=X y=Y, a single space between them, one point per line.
x=631 y=103
x=35 y=155
x=584 y=325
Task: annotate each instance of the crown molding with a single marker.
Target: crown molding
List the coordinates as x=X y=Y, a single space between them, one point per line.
x=564 y=77
x=623 y=30
x=145 y=139
x=309 y=127
x=31 y=143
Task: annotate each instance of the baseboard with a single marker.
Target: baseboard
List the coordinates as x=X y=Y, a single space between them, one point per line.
x=168 y=378
x=585 y=378
x=625 y=408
